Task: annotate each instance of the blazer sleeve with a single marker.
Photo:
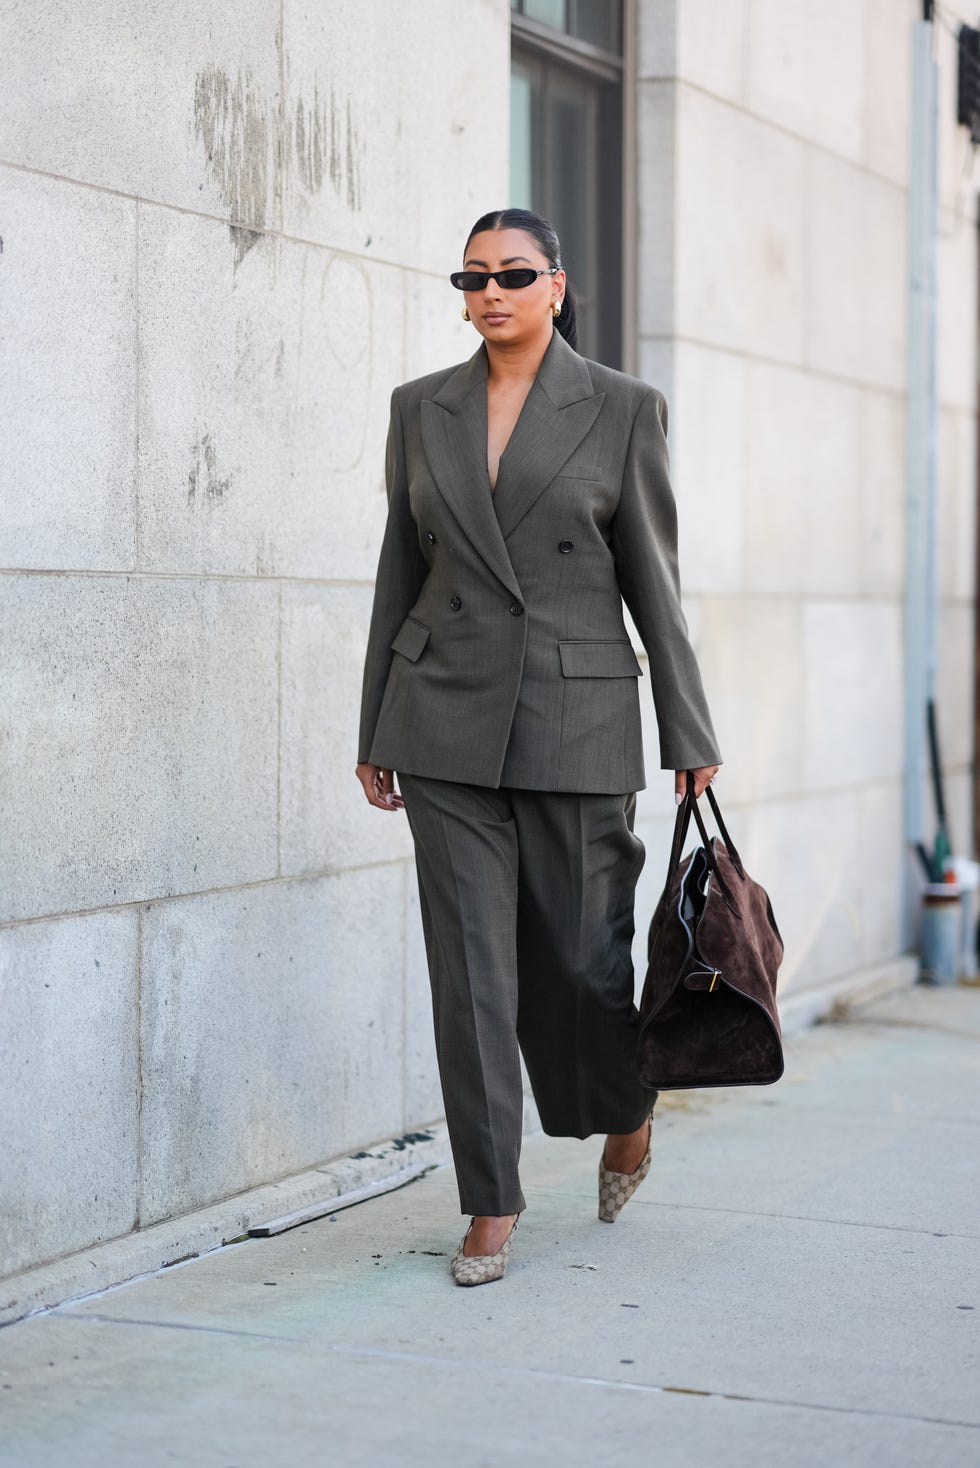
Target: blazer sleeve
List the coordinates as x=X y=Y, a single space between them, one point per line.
x=401 y=572
x=644 y=532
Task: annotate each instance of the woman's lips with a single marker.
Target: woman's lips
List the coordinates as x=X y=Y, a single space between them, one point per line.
x=494 y=317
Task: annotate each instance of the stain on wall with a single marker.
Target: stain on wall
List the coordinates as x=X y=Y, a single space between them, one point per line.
x=203 y=474
x=232 y=120
x=243 y=240
x=325 y=140
x=250 y=147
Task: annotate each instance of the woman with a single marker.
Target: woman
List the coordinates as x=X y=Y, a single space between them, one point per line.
x=528 y=498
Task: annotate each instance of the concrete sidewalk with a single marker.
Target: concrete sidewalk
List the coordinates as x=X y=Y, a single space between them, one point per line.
x=796 y=1283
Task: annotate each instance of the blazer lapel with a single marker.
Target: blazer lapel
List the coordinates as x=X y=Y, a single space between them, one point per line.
x=454 y=436
x=558 y=412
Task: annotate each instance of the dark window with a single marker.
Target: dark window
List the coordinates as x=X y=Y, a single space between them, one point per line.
x=566 y=148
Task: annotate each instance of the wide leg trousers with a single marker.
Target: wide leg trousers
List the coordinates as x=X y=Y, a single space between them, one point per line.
x=527 y=911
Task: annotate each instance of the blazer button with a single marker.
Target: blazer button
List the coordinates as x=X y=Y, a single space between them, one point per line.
x=516 y=609
x=565 y=546
x=430 y=537
x=455 y=603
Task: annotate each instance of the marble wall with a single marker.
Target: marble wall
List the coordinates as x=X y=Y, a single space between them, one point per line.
x=224 y=240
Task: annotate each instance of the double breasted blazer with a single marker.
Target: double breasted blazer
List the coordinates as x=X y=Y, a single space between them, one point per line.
x=498 y=653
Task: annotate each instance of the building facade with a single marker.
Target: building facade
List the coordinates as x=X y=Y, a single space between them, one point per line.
x=226 y=236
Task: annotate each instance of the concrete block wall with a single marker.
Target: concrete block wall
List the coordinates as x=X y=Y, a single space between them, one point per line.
x=225 y=239
x=773 y=189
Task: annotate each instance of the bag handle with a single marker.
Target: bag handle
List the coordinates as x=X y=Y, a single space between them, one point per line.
x=687 y=808
x=681 y=823
x=723 y=829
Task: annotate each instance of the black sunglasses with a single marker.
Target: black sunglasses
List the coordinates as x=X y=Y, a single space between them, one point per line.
x=508 y=280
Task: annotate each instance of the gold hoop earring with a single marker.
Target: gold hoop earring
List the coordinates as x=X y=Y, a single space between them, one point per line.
x=556 y=308
x=466 y=314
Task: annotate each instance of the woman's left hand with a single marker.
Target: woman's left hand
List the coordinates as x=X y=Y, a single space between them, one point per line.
x=703 y=776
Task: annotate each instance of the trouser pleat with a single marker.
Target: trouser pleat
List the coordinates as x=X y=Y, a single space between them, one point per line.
x=527 y=912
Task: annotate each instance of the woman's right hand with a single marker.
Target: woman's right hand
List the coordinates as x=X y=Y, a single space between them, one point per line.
x=379 y=787
x=703 y=776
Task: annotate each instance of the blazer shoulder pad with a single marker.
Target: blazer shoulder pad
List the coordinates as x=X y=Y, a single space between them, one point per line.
x=620 y=385
x=418 y=388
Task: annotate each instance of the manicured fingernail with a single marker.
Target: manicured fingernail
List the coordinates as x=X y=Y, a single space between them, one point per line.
x=389 y=799
x=678 y=797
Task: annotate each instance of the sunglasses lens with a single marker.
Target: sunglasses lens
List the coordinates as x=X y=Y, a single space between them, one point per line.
x=508 y=280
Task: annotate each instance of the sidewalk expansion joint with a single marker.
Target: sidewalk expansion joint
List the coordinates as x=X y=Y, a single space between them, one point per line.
x=897 y=1228
x=882 y=1022
x=539 y=1374
x=65 y=1312
x=647 y=1387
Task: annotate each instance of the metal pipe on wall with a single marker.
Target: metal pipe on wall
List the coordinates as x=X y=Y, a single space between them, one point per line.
x=920 y=458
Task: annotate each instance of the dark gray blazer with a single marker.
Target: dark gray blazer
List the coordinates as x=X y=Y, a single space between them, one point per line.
x=497 y=653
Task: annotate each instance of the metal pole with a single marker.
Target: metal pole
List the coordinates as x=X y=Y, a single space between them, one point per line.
x=920 y=501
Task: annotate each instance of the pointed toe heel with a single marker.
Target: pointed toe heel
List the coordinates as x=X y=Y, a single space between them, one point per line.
x=477 y=1269
x=617 y=1188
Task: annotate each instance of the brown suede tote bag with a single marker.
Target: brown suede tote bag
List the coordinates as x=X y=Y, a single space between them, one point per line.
x=708 y=1013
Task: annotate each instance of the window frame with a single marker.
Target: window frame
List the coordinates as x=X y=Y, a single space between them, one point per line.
x=545 y=42
x=606 y=65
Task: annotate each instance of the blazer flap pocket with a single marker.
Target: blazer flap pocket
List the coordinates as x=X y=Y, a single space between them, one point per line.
x=595 y=659
x=571 y=470
x=411 y=639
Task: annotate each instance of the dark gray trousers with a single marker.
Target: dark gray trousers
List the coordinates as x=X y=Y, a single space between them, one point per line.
x=527 y=911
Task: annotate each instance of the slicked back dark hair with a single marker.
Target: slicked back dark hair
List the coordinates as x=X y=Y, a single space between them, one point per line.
x=543 y=232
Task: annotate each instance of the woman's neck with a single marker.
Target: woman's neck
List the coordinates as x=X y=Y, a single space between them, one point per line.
x=517 y=362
